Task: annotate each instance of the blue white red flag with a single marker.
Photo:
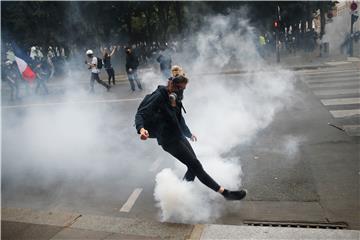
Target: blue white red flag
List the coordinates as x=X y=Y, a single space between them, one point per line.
x=22 y=62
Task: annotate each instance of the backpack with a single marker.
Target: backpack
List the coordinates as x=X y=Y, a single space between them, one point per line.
x=99 y=63
x=149 y=124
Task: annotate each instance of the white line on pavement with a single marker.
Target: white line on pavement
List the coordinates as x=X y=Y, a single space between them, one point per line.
x=340 y=101
x=313 y=80
x=345 y=113
x=317 y=72
x=155 y=165
x=336 y=92
x=131 y=201
x=332 y=76
x=334 y=84
x=71 y=102
x=337 y=63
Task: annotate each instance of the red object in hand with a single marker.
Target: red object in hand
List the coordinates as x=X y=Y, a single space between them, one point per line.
x=143 y=137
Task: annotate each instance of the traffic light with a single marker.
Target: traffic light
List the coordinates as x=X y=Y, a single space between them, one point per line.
x=276 y=23
x=353 y=6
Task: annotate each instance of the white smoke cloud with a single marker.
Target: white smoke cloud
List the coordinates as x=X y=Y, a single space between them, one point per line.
x=74 y=142
x=223 y=112
x=338 y=30
x=92 y=142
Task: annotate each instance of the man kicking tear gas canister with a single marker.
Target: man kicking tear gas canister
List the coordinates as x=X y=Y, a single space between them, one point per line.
x=160 y=116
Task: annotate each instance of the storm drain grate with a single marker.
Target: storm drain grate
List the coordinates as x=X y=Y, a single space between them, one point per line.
x=338 y=225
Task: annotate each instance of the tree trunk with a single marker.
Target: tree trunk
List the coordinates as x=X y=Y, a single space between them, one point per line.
x=148 y=24
x=322 y=19
x=177 y=8
x=164 y=19
x=129 y=25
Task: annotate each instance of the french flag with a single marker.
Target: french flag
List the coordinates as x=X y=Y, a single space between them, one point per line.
x=22 y=62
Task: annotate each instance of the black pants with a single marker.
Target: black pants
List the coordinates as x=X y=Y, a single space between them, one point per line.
x=95 y=76
x=14 y=85
x=111 y=75
x=183 y=151
x=41 y=82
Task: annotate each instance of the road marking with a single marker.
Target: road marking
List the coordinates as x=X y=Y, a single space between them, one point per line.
x=336 y=92
x=340 y=101
x=337 y=63
x=330 y=80
x=131 y=201
x=155 y=165
x=350 y=71
x=331 y=76
x=345 y=113
x=316 y=72
x=330 y=73
x=70 y=102
x=335 y=84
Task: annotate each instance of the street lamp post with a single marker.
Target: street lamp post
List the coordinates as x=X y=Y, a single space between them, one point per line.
x=277 y=34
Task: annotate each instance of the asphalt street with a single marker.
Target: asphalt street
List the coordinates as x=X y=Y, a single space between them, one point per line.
x=297 y=169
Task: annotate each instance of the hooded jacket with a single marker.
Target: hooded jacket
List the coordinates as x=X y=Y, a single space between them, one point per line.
x=163 y=121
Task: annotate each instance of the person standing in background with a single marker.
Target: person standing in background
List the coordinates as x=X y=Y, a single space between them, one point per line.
x=107 y=63
x=131 y=66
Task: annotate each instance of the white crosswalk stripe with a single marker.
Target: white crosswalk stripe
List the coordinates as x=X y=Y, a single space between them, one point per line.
x=335 y=84
x=343 y=79
x=336 y=92
x=339 y=91
x=340 y=101
x=345 y=113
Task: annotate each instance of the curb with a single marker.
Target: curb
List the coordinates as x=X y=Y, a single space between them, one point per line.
x=50 y=225
x=65 y=221
x=197 y=232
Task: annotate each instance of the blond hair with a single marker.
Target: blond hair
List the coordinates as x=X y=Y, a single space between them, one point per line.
x=177 y=70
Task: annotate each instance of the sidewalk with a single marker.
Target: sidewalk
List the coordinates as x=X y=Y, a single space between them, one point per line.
x=19 y=223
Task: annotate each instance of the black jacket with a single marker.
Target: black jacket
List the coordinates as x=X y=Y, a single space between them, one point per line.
x=131 y=62
x=163 y=121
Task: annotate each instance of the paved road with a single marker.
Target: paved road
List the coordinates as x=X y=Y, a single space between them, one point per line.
x=339 y=92
x=79 y=153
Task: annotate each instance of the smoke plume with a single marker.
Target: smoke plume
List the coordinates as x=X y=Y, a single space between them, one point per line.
x=224 y=111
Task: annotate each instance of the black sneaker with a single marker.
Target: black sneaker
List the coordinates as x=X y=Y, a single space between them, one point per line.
x=234 y=195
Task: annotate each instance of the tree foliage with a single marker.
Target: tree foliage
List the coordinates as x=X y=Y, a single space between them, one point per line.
x=81 y=23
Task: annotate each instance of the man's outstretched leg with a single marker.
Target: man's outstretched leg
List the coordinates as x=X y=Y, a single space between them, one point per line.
x=232 y=195
x=189 y=176
x=182 y=152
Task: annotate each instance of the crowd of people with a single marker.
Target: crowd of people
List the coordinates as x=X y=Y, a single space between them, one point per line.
x=45 y=64
x=50 y=62
x=290 y=41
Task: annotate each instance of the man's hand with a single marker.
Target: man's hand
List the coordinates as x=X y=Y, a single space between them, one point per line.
x=130 y=69
x=144 y=134
x=193 y=138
